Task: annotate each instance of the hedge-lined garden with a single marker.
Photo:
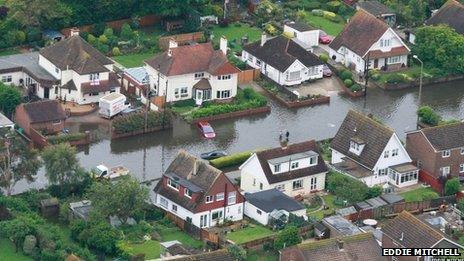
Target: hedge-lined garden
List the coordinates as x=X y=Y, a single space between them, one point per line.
x=136 y=122
x=55 y=139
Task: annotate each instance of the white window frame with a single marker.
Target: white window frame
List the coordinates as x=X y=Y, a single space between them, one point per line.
x=446 y=153
x=461 y=168
x=174 y=208
x=294 y=165
x=462 y=151
x=199 y=75
x=232 y=198
x=300 y=182
x=280 y=187
x=188 y=193
x=445 y=171
x=183 y=92
x=170 y=182
x=313 y=161
x=277 y=168
x=394 y=60
x=209 y=199
x=164 y=203
x=94 y=76
x=395 y=152
x=7 y=78
x=313 y=184
x=386 y=154
x=220 y=196
x=219 y=217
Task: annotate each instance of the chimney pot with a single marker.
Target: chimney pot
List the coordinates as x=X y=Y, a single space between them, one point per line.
x=74 y=31
x=223 y=44
x=263 y=39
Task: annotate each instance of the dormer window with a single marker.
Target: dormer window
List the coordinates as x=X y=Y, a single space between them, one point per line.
x=277 y=168
x=199 y=75
x=446 y=153
x=294 y=165
x=356 y=146
x=173 y=184
x=188 y=193
x=94 y=77
x=313 y=161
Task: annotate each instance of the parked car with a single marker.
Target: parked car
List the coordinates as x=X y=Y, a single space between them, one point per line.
x=324 y=38
x=206 y=130
x=213 y=154
x=326 y=72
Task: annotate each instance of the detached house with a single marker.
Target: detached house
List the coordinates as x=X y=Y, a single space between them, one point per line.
x=198 y=193
x=70 y=69
x=451 y=14
x=367 y=150
x=295 y=170
x=379 y=10
x=367 y=38
x=195 y=71
x=47 y=116
x=438 y=151
x=283 y=60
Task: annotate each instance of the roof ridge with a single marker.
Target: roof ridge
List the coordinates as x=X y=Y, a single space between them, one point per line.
x=442 y=126
x=329 y=241
x=415 y=220
x=374 y=121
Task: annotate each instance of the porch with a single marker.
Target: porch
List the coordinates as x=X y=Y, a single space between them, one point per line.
x=201 y=91
x=403 y=175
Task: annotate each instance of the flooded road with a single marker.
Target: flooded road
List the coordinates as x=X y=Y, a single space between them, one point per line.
x=148 y=155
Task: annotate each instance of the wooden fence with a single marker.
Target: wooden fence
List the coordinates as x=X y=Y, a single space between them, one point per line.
x=247 y=76
x=193 y=230
x=181 y=39
x=270 y=239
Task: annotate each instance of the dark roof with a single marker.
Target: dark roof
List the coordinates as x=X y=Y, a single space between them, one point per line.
x=413 y=232
x=269 y=200
x=103 y=85
x=44 y=111
x=191 y=59
x=202 y=84
x=76 y=54
x=375 y=8
x=218 y=255
x=181 y=169
x=29 y=63
x=265 y=155
x=392 y=198
x=280 y=52
x=445 y=137
x=299 y=26
x=70 y=85
x=374 y=134
x=451 y=14
x=357 y=247
x=360 y=33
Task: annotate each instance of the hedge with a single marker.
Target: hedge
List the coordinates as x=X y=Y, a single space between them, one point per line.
x=136 y=121
x=65 y=138
x=355 y=87
x=345 y=74
x=395 y=78
x=231 y=160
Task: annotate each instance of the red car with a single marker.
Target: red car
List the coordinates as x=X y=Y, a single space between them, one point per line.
x=206 y=129
x=324 y=38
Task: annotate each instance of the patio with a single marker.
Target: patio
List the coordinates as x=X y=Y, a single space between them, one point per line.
x=76 y=109
x=325 y=87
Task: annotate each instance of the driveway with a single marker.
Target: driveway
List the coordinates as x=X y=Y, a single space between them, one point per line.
x=326 y=86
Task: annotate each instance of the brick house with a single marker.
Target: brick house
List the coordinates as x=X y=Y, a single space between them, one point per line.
x=46 y=116
x=438 y=151
x=198 y=193
x=407 y=231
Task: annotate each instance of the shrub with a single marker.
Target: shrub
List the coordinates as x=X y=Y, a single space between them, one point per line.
x=56 y=139
x=348 y=83
x=428 y=116
x=329 y=15
x=126 y=32
x=345 y=187
x=269 y=28
x=103 y=39
x=231 y=160
x=395 y=78
x=452 y=186
x=374 y=191
x=237 y=252
x=136 y=121
x=355 y=87
x=324 y=57
x=317 y=12
x=29 y=245
x=334 y=6
x=375 y=76
x=287 y=237
x=345 y=74
x=91 y=39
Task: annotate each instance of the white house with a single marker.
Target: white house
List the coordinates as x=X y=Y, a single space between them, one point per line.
x=6 y=123
x=283 y=60
x=297 y=169
x=305 y=33
x=198 y=193
x=71 y=70
x=371 y=152
x=366 y=37
x=195 y=71
x=270 y=204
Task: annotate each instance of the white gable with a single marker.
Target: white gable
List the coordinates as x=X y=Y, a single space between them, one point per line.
x=392 y=38
x=393 y=144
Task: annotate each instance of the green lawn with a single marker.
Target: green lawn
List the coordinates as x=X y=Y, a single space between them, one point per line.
x=235 y=32
x=329 y=201
x=249 y=234
x=7 y=251
x=410 y=74
x=260 y=255
x=133 y=60
x=328 y=26
x=8 y=52
x=174 y=233
x=419 y=194
x=151 y=249
x=182 y=110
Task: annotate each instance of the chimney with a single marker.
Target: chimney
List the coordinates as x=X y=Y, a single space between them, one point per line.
x=196 y=165
x=340 y=244
x=223 y=44
x=172 y=43
x=74 y=31
x=263 y=38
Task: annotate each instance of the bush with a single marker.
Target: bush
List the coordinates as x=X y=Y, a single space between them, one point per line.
x=116 y=51
x=374 y=191
x=136 y=121
x=348 y=83
x=324 y=57
x=345 y=187
x=269 y=28
x=330 y=16
x=428 y=116
x=237 y=252
x=287 y=238
x=317 y=12
x=334 y=6
x=395 y=78
x=231 y=160
x=345 y=74
x=355 y=87
x=452 y=186
x=126 y=32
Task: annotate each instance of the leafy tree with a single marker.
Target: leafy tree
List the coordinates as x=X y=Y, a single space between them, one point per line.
x=126 y=32
x=38 y=13
x=287 y=237
x=428 y=115
x=373 y=192
x=101 y=236
x=452 y=186
x=10 y=97
x=237 y=252
x=18 y=161
x=122 y=199
x=345 y=187
x=61 y=164
x=18 y=228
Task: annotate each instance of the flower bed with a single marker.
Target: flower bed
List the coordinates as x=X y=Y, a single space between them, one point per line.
x=350 y=87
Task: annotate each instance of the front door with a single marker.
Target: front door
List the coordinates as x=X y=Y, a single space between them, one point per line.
x=376 y=63
x=46 y=93
x=199 y=97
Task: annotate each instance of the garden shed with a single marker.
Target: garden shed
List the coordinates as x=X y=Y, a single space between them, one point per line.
x=50 y=208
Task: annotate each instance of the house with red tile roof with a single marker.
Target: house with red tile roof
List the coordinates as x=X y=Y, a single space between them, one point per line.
x=367 y=38
x=194 y=71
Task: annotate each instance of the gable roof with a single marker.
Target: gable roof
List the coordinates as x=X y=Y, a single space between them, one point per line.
x=44 y=111
x=408 y=231
x=451 y=14
x=266 y=155
x=360 y=33
x=357 y=247
x=181 y=170
x=191 y=59
x=445 y=137
x=271 y=199
x=360 y=127
x=280 y=52
x=76 y=54
x=375 y=8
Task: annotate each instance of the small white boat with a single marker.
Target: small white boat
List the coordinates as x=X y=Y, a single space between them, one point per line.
x=102 y=171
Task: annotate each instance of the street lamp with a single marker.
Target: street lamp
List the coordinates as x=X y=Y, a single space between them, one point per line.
x=420 y=83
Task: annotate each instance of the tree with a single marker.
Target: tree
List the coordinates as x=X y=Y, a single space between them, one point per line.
x=61 y=164
x=126 y=32
x=374 y=191
x=101 y=236
x=237 y=252
x=428 y=116
x=17 y=161
x=345 y=187
x=122 y=199
x=10 y=97
x=287 y=237
x=38 y=13
x=452 y=186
